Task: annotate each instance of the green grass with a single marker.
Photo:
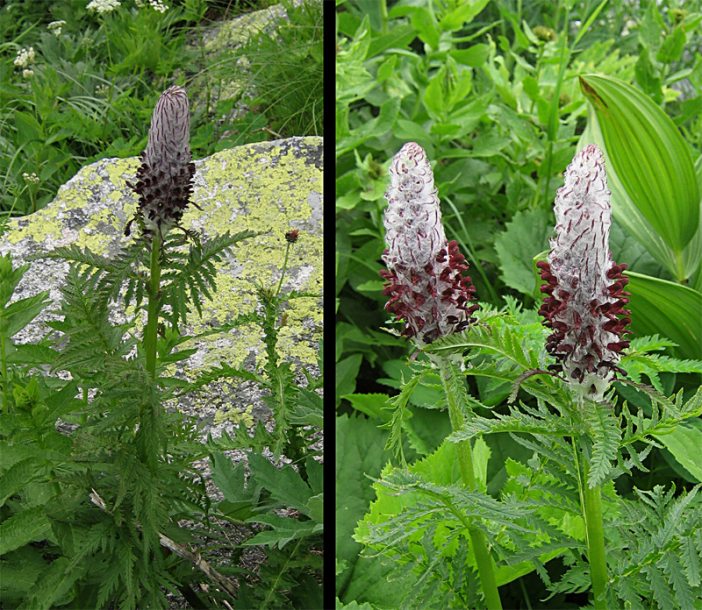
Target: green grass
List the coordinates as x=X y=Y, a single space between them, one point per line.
x=92 y=88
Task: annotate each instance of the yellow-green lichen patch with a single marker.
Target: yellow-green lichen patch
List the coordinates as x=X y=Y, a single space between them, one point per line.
x=268 y=188
x=122 y=170
x=268 y=191
x=80 y=206
x=44 y=227
x=236 y=32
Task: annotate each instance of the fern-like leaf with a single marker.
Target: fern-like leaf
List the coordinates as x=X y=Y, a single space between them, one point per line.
x=606 y=435
x=89 y=337
x=538 y=422
x=639 y=361
x=109 y=275
x=399 y=405
x=187 y=280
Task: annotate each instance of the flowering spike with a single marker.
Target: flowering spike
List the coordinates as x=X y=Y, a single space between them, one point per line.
x=426 y=285
x=164 y=179
x=586 y=286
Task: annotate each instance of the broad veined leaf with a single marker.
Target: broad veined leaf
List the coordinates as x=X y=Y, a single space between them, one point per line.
x=360 y=456
x=285 y=484
x=524 y=237
x=684 y=443
x=283 y=530
x=628 y=215
x=649 y=156
x=669 y=309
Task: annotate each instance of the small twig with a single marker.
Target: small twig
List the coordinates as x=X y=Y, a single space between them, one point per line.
x=197 y=560
x=270 y=131
x=181 y=551
x=639 y=386
x=523 y=377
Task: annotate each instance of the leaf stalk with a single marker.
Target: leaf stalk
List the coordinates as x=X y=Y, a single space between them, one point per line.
x=486 y=570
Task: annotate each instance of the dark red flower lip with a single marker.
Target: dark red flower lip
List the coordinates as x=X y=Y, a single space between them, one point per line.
x=436 y=301
x=611 y=316
x=584 y=290
x=427 y=286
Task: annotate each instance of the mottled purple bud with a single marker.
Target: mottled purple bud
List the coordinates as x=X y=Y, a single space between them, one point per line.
x=425 y=275
x=164 y=179
x=585 y=289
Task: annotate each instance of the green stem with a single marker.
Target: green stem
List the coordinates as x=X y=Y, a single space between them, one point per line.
x=5 y=381
x=486 y=570
x=591 y=500
x=384 y=16
x=592 y=503
x=150 y=334
x=679 y=267
x=284 y=269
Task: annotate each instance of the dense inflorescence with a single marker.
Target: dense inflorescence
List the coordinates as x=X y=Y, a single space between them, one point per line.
x=426 y=282
x=585 y=302
x=164 y=178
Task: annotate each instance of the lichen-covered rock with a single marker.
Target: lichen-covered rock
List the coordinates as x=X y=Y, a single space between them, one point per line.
x=237 y=31
x=228 y=75
x=268 y=186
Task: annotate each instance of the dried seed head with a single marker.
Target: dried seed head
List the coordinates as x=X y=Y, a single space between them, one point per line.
x=164 y=179
x=585 y=289
x=425 y=275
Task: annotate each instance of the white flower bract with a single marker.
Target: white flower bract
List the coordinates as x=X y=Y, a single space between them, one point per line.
x=25 y=58
x=580 y=251
x=103 y=6
x=55 y=27
x=413 y=230
x=426 y=285
x=159 y=6
x=586 y=287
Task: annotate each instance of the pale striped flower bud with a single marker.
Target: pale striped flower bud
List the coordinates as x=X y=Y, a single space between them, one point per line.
x=164 y=179
x=425 y=275
x=585 y=288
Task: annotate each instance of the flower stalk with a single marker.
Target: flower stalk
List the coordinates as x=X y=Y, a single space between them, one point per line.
x=431 y=295
x=585 y=308
x=592 y=513
x=591 y=509
x=164 y=186
x=290 y=238
x=486 y=570
x=151 y=330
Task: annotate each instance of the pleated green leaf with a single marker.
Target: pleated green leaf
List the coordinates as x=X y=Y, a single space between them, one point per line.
x=669 y=309
x=650 y=158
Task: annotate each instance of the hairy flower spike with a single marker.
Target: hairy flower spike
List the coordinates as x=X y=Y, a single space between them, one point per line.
x=425 y=275
x=585 y=289
x=164 y=179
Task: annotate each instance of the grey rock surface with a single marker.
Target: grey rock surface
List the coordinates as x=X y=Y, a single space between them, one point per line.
x=267 y=187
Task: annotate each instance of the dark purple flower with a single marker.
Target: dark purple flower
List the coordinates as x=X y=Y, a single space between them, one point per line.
x=164 y=179
x=585 y=298
x=292 y=236
x=425 y=274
